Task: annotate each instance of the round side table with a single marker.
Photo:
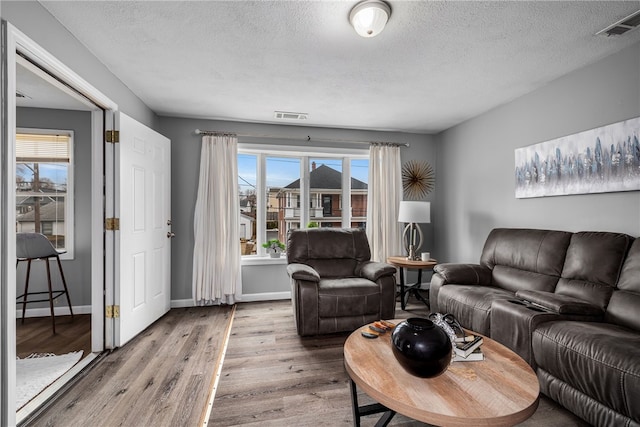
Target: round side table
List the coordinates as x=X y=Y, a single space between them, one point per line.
x=401 y=262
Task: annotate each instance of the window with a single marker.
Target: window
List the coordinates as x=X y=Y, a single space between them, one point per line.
x=286 y=181
x=44 y=186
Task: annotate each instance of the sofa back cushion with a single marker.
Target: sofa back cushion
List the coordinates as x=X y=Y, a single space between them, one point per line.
x=525 y=258
x=592 y=266
x=624 y=304
x=332 y=252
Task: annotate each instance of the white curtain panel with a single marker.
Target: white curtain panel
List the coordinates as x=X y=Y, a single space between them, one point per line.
x=216 y=252
x=383 y=201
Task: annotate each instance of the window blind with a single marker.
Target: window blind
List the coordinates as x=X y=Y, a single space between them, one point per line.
x=42 y=148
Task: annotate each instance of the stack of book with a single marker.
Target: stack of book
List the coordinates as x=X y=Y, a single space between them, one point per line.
x=467 y=349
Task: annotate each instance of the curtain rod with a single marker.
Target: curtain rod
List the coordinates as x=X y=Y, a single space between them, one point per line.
x=307 y=138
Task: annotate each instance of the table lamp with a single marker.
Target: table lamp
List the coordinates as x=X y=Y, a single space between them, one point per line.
x=413 y=213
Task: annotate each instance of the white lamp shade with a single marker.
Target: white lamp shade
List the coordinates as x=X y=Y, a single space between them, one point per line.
x=414 y=212
x=369 y=17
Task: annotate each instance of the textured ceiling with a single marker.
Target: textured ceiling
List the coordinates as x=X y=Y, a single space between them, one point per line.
x=435 y=65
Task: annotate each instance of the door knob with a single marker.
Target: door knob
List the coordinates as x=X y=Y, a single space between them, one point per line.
x=171 y=234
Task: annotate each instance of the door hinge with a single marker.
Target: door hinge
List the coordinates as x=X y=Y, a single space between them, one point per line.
x=112 y=224
x=112 y=136
x=112 y=311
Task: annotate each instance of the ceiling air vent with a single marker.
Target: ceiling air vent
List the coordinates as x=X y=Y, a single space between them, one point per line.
x=287 y=115
x=622 y=26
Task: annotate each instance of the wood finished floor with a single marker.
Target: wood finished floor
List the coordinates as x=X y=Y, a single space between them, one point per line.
x=36 y=335
x=270 y=376
x=160 y=378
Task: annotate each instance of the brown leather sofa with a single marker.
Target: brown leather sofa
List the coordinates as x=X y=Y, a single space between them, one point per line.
x=568 y=303
x=334 y=285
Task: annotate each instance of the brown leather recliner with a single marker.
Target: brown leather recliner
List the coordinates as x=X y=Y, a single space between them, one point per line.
x=334 y=285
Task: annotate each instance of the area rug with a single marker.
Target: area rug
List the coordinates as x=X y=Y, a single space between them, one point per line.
x=37 y=371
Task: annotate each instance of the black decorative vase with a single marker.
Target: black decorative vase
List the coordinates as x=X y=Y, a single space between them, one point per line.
x=421 y=347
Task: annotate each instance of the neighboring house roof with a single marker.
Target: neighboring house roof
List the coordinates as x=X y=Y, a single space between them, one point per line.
x=327 y=178
x=247 y=217
x=244 y=202
x=53 y=211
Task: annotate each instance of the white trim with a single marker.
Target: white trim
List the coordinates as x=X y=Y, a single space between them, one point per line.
x=97 y=232
x=262 y=260
x=14 y=41
x=7 y=230
x=296 y=151
x=183 y=303
x=58 y=311
x=266 y=296
x=38 y=55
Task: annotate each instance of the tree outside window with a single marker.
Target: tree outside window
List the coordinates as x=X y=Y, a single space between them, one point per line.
x=44 y=185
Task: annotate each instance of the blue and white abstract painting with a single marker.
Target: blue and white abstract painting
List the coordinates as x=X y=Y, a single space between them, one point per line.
x=600 y=160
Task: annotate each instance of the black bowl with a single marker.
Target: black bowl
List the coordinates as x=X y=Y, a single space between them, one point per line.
x=422 y=348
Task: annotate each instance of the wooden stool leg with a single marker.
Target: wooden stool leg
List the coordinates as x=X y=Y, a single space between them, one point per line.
x=53 y=316
x=26 y=290
x=64 y=283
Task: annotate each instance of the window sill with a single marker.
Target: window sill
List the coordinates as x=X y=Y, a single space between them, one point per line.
x=263 y=260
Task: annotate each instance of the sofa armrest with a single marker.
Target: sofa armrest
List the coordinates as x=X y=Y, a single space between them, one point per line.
x=561 y=304
x=375 y=270
x=303 y=272
x=464 y=274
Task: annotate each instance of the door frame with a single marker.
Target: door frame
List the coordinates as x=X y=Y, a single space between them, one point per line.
x=15 y=42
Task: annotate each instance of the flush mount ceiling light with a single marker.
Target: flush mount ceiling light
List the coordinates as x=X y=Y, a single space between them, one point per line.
x=369 y=17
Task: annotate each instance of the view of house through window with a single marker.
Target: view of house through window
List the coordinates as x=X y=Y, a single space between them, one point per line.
x=44 y=193
x=281 y=209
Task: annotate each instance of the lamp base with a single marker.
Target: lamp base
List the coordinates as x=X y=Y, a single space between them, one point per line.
x=412 y=256
x=412 y=238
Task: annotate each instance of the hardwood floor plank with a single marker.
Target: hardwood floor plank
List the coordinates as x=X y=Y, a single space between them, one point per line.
x=273 y=377
x=270 y=376
x=160 y=378
x=36 y=335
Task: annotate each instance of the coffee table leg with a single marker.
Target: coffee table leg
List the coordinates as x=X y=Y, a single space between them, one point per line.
x=362 y=411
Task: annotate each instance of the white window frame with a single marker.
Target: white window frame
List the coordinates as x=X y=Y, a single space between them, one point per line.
x=69 y=221
x=262 y=151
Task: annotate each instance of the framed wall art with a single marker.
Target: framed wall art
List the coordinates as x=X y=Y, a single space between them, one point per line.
x=600 y=160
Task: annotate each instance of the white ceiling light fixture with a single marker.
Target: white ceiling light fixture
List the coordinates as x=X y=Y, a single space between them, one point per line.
x=369 y=17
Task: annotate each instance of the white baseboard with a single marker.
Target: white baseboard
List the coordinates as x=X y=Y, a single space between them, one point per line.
x=58 y=311
x=182 y=303
x=267 y=296
x=176 y=303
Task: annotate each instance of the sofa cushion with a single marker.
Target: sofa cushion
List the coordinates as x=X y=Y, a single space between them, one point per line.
x=624 y=305
x=539 y=254
x=592 y=266
x=471 y=304
x=331 y=252
x=347 y=297
x=561 y=304
x=598 y=359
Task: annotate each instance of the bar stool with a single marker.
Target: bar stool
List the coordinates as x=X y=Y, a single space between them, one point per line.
x=34 y=246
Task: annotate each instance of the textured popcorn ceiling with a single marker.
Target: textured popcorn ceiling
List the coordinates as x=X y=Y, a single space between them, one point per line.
x=435 y=65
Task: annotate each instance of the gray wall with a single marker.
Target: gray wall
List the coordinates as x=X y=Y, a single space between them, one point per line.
x=77 y=271
x=39 y=25
x=185 y=152
x=476 y=160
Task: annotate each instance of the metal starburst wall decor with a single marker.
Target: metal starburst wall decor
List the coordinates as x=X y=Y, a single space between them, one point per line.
x=418 y=179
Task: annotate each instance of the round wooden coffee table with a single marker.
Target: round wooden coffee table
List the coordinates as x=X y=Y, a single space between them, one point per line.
x=501 y=390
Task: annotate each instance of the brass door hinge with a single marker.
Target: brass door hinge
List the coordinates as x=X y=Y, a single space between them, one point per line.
x=112 y=136
x=112 y=224
x=112 y=311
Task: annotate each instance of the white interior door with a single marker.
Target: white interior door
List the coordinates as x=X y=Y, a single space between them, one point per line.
x=143 y=204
